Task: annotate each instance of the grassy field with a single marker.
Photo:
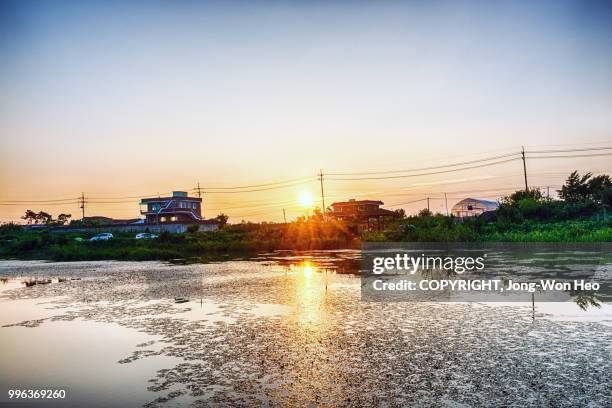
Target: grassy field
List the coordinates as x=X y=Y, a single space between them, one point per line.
x=249 y=239
x=442 y=229
x=233 y=241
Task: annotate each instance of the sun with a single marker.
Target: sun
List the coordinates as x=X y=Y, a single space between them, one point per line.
x=308 y=271
x=305 y=199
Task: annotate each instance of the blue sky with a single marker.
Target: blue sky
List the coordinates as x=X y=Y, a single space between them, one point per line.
x=165 y=94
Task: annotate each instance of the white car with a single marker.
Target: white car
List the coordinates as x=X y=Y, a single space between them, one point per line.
x=102 y=237
x=145 y=235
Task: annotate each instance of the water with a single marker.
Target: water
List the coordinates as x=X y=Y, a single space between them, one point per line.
x=285 y=329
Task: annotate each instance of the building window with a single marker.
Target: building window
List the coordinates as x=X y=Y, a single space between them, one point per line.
x=162 y=219
x=194 y=206
x=155 y=207
x=173 y=218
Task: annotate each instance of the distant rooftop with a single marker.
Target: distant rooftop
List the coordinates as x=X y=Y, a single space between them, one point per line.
x=352 y=201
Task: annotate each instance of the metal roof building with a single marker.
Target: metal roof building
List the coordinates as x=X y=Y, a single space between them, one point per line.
x=473 y=207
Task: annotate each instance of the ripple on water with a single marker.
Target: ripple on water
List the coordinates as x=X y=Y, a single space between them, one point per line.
x=270 y=334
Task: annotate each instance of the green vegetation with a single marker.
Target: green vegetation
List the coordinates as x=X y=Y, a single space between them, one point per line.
x=45 y=218
x=581 y=215
x=234 y=240
x=440 y=228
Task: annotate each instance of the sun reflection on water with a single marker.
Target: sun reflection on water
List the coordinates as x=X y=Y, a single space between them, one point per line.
x=308 y=269
x=310 y=284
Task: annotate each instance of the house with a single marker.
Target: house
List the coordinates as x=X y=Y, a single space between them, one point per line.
x=364 y=213
x=180 y=208
x=473 y=207
x=175 y=214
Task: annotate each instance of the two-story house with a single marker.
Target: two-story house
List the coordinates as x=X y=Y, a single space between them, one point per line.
x=366 y=213
x=180 y=208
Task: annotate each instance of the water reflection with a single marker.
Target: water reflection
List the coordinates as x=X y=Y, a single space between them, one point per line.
x=294 y=333
x=524 y=272
x=309 y=292
x=8 y=284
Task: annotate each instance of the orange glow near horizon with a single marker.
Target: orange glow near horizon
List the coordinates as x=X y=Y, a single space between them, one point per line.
x=310 y=295
x=308 y=269
x=269 y=110
x=305 y=199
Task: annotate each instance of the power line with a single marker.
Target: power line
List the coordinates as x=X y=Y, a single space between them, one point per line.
x=49 y=204
x=426 y=168
x=570 y=150
x=570 y=156
x=295 y=207
x=598 y=151
x=406 y=203
x=469 y=167
x=426 y=174
x=259 y=185
x=248 y=207
x=40 y=201
x=260 y=189
x=134 y=196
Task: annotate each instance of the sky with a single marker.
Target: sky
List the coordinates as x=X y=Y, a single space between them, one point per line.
x=128 y=99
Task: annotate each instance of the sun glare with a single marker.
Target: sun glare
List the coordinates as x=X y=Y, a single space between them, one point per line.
x=305 y=199
x=308 y=271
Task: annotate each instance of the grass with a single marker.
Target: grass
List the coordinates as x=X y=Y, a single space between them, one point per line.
x=248 y=239
x=439 y=228
x=233 y=241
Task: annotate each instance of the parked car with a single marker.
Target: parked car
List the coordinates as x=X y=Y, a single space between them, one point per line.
x=102 y=237
x=145 y=235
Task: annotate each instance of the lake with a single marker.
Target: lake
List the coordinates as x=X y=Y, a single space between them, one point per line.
x=285 y=329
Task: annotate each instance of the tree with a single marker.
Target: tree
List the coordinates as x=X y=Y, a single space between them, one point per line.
x=425 y=212
x=576 y=188
x=30 y=217
x=63 y=219
x=221 y=219
x=317 y=215
x=600 y=189
x=531 y=193
x=44 y=218
x=399 y=214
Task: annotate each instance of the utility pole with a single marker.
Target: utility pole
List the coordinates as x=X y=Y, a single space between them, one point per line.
x=524 y=167
x=199 y=191
x=547 y=191
x=446 y=201
x=82 y=206
x=427 y=203
x=284 y=216
x=322 y=194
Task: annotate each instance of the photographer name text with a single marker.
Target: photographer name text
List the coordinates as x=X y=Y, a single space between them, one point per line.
x=484 y=285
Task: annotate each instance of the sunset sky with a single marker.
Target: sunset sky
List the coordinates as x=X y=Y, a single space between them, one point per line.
x=123 y=99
